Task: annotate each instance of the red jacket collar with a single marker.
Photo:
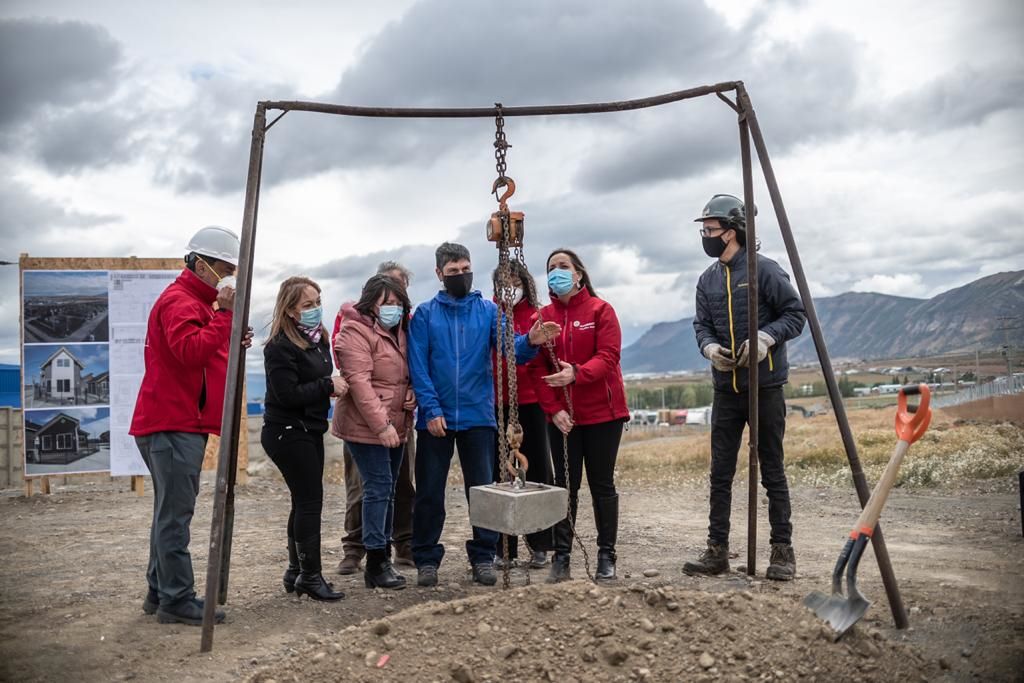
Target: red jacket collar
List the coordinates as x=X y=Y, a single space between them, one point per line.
x=197 y=286
x=578 y=299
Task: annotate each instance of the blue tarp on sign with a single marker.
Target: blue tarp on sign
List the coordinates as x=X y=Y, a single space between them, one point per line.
x=10 y=391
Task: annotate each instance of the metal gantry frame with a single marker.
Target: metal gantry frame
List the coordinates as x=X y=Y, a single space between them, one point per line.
x=222 y=525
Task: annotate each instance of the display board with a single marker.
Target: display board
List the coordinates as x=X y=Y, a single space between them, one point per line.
x=83 y=332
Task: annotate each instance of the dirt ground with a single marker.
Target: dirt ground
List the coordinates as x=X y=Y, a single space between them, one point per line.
x=72 y=582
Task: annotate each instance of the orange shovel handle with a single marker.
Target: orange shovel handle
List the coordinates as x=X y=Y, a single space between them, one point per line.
x=912 y=422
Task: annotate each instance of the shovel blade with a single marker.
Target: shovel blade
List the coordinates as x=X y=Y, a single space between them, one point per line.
x=839 y=612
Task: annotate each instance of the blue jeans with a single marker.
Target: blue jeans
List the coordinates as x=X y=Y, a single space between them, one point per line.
x=433 y=460
x=378 y=468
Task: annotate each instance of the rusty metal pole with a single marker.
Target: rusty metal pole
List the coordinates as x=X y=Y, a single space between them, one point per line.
x=892 y=590
x=752 y=328
x=228 y=454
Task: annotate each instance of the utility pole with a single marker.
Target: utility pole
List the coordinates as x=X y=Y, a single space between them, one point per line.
x=977 y=367
x=1007 y=348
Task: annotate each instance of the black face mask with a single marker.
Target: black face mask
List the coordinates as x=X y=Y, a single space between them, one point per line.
x=713 y=246
x=459 y=285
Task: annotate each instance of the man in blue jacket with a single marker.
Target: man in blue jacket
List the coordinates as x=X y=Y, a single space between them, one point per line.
x=451 y=339
x=720 y=323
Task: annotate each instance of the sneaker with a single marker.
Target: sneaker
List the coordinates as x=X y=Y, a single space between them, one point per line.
x=538 y=559
x=349 y=564
x=483 y=574
x=499 y=562
x=186 y=612
x=151 y=603
x=713 y=561
x=426 y=575
x=781 y=563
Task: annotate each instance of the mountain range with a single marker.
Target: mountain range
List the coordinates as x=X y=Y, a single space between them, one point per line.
x=866 y=325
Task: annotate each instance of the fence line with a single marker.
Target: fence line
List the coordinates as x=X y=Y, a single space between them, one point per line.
x=1002 y=386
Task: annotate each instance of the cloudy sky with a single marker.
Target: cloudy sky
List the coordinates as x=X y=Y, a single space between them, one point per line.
x=894 y=130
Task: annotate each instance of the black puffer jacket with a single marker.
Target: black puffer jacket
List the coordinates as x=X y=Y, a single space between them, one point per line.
x=721 y=317
x=299 y=384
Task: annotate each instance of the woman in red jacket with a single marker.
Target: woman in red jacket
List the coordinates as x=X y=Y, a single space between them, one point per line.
x=588 y=372
x=531 y=416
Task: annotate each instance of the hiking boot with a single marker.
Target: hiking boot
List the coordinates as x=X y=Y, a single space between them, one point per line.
x=781 y=563
x=713 y=561
x=426 y=575
x=483 y=574
x=559 y=568
x=403 y=555
x=189 y=611
x=151 y=603
x=538 y=559
x=349 y=564
x=379 y=572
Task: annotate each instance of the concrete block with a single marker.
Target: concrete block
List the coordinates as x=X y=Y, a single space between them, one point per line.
x=515 y=512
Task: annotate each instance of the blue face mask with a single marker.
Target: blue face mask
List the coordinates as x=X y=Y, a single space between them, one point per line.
x=311 y=317
x=560 y=281
x=390 y=315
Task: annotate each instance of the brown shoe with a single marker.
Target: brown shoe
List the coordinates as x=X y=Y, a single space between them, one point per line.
x=349 y=564
x=403 y=555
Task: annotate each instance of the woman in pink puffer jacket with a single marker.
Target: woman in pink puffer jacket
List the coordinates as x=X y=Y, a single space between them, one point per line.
x=375 y=416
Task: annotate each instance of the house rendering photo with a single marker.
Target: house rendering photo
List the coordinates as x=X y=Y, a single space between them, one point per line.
x=67 y=441
x=66 y=375
x=66 y=306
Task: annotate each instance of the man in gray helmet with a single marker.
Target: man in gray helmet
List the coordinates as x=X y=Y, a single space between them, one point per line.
x=179 y=405
x=721 y=326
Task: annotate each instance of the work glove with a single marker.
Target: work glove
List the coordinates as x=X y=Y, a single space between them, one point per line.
x=764 y=342
x=721 y=359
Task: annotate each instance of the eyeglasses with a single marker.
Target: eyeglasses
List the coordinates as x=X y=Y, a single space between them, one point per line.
x=708 y=231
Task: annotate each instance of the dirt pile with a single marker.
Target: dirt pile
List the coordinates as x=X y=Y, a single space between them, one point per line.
x=579 y=632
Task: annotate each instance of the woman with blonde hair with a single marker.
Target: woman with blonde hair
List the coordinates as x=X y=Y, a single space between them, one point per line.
x=297 y=361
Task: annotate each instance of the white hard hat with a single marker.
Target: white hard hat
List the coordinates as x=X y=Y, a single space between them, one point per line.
x=215 y=242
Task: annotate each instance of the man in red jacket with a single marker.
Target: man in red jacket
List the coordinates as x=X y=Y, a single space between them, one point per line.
x=179 y=406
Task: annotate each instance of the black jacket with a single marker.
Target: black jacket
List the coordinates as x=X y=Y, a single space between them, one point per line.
x=721 y=317
x=299 y=384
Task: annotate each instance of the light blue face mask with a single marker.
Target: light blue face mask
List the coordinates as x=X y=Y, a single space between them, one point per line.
x=311 y=317
x=560 y=281
x=390 y=315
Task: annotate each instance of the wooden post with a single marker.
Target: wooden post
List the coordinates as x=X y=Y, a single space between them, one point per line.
x=44 y=485
x=139 y=485
x=10 y=444
x=220 y=542
x=28 y=487
x=752 y=329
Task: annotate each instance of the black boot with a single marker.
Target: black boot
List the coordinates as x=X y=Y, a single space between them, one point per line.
x=606 y=515
x=563 y=545
x=310 y=581
x=379 y=573
x=388 y=556
x=292 y=572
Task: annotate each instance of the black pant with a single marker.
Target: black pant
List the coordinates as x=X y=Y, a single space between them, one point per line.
x=300 y=457
x=535 y=448
x=596 y=447
x=728 y=417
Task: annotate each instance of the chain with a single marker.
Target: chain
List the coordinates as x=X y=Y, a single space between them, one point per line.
x=500 y=143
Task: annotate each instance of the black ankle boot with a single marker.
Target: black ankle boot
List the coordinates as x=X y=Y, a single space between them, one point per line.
x=606 y=516
x=388 y=556
x=559 y=568
x=310 y=581
x=292 y=572
x=379 y=573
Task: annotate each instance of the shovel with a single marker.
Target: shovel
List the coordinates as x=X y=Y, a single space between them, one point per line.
x=842 y=612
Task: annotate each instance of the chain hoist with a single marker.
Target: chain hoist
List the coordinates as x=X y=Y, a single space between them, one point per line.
x=505 y=228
